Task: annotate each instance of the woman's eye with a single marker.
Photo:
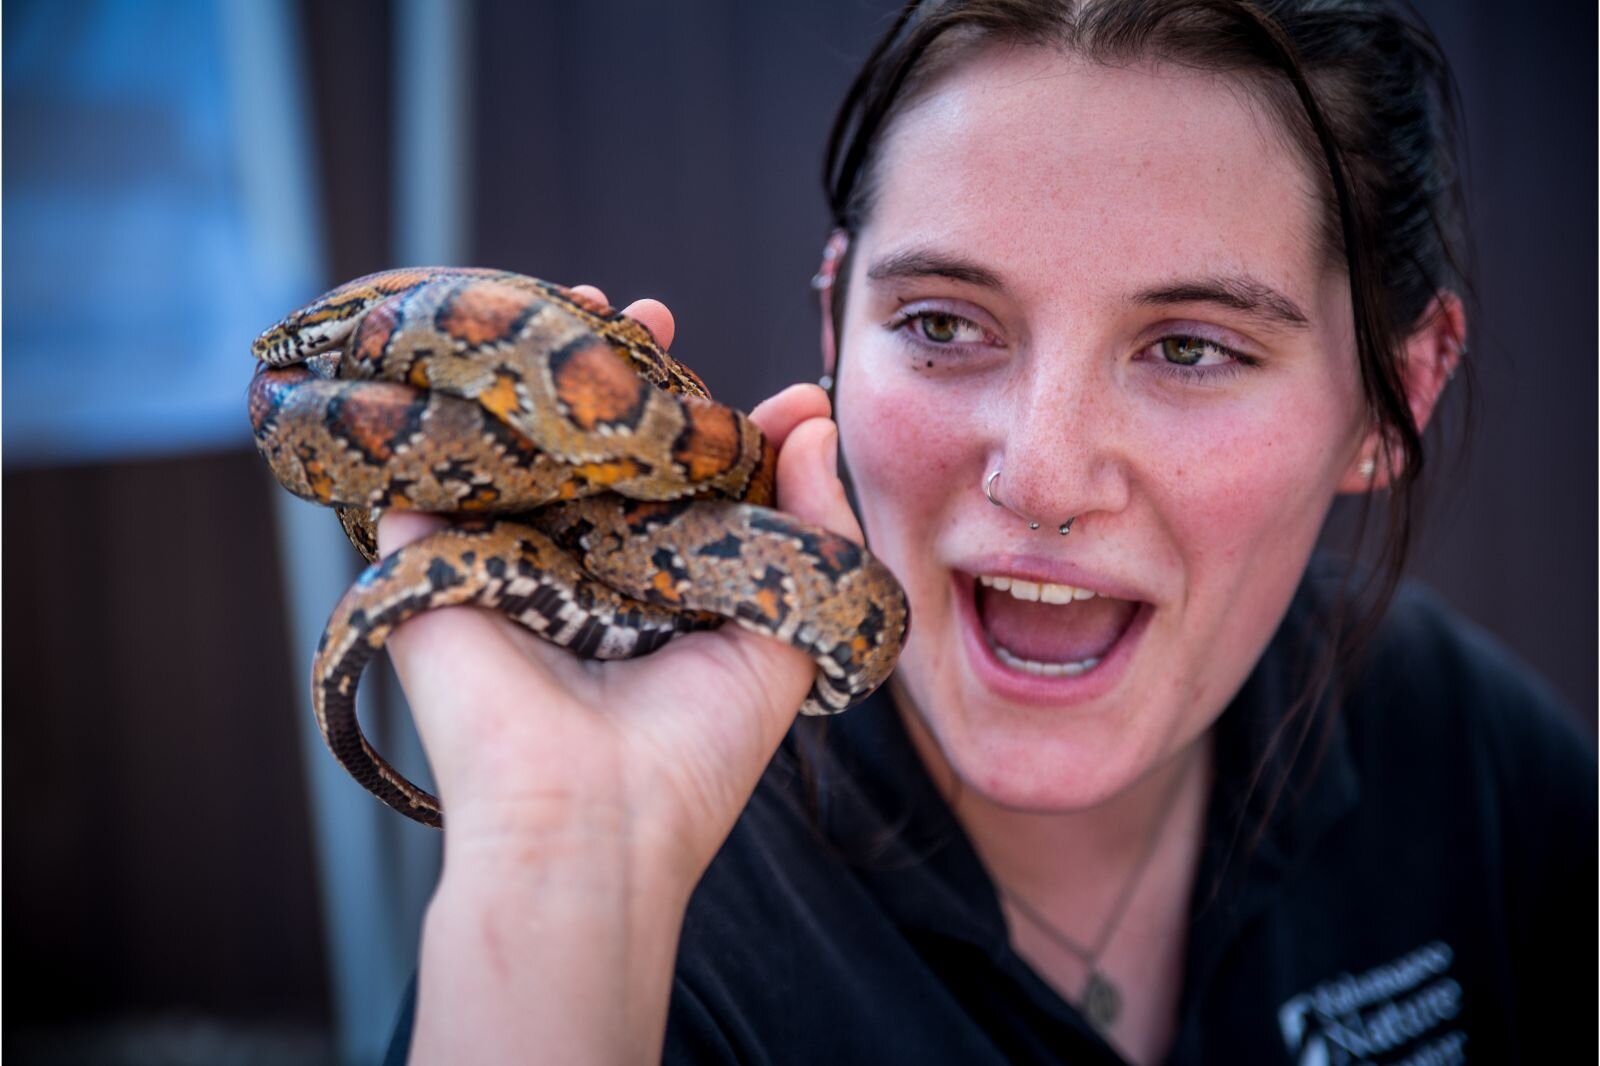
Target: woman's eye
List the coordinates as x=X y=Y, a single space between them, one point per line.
x=1194 y=360
x=1194 y=351
x=943 y=328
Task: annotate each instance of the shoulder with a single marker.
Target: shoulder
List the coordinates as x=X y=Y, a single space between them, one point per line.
x=1426 y=649
x=1462 y=749
x=1484 y=781
x=1439 y=854
x=1432 y=683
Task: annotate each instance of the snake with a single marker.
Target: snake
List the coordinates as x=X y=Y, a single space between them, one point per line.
x=597 y=495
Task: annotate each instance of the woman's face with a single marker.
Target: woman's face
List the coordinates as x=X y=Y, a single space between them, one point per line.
x=1106 y=284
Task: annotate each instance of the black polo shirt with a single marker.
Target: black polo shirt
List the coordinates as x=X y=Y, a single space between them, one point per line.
x=1422 y=891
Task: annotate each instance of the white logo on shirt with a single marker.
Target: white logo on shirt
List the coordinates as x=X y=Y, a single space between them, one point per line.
x=1370 y=1017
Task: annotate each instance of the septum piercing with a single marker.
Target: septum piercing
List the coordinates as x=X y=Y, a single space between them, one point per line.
x=988 y=491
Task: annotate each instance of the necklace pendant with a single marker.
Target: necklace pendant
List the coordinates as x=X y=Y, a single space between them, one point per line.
x=1101 y=1002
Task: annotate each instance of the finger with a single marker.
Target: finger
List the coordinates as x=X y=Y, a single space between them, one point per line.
x=590 y=292
x=780 y=414
x=653 y=316
x=808 y=478
x=432 y=629
x=396 y=529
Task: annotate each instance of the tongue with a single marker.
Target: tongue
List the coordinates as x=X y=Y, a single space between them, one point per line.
x=1053 y=633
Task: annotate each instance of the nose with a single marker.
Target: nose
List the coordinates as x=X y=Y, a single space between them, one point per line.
x=1061 y=449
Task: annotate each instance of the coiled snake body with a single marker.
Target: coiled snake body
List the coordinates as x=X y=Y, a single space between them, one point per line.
x=634 y=508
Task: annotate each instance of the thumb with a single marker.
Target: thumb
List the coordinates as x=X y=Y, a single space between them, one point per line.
x=808 y=478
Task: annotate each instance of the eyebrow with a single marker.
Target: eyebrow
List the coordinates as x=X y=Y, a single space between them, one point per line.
x=921 y=263
x=1236 y=292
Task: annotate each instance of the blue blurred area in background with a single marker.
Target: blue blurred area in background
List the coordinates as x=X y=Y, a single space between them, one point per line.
x=141 y=249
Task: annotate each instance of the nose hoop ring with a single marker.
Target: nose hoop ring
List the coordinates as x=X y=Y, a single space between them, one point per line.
x=988 y=491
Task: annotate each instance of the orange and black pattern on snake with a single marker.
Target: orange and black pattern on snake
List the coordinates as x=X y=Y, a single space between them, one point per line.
x=603 y=500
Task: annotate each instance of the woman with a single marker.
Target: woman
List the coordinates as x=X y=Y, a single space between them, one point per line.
x=1120 y=300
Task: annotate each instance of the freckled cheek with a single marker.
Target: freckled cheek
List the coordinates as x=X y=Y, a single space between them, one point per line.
x=904 y=448
x=1242 y=489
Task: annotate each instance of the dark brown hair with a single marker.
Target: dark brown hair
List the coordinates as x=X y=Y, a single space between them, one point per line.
x=1363 y=92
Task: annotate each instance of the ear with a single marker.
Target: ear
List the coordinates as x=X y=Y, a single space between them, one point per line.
x=826 y=277
x=1429 y=360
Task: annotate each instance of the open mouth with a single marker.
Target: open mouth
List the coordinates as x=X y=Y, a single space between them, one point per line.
x=1049 y=630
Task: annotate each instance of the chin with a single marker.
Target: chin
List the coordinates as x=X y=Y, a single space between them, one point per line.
x=1027 y=758
x=1047 y=778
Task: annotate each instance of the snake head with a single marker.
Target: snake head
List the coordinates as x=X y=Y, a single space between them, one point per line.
x=305 y=333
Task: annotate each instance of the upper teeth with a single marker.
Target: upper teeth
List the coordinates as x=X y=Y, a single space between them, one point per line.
x=1046 y=591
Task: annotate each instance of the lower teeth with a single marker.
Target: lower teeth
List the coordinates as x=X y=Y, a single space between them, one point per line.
x=1029 y=666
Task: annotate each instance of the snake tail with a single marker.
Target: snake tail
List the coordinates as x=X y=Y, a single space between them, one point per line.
x=503 y=565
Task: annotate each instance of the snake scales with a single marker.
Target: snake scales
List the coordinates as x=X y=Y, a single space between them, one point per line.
x=605 y=502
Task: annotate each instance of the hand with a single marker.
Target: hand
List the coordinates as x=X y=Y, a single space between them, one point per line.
x=583 y=800
x=537 y=753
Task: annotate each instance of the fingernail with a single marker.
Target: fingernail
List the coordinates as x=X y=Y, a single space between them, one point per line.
x=832 y=453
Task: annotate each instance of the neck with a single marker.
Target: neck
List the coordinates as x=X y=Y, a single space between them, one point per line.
x=1076 y=857
x=1104 y=890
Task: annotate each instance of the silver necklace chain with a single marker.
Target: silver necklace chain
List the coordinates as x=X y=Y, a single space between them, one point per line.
x=1101 y=1000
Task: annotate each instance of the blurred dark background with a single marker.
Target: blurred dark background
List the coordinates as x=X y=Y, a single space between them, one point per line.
x=187 y=876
